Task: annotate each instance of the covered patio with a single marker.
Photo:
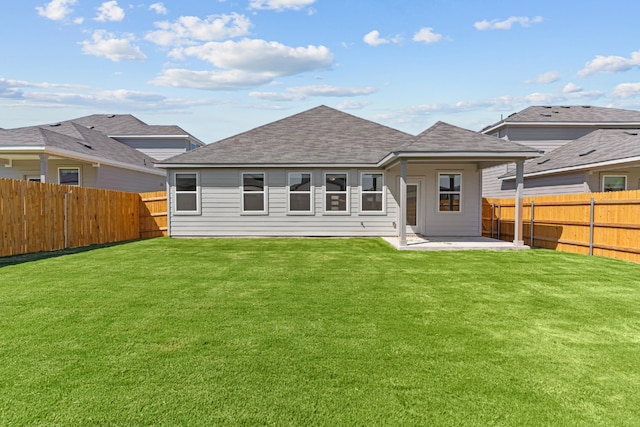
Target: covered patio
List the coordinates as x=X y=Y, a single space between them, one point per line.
x=452 y=243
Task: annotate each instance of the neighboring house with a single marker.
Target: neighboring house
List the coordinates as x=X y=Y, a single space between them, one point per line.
x=323 y=172
x=115 y=152
x=560 y=131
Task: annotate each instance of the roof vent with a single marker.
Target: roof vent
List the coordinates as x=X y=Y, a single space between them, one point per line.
x=545 y=115
x=565 y=106
x=631 y=133
x=587 y=153
x=586 y=106
x=111 y=116
x=545 y=106
x=543 y=161
x=85 y=144
x=54 y=125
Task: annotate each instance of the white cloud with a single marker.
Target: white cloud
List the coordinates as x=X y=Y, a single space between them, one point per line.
x=106 y=45
x=304 y=92
x=610 y=64
x=507 y=23
x=548 y=77
x=626 y=90
x=190 y=29
x=280 y=5
x=353 y=105
x=426 y=35
x=571 y=88
x=158 y=8
x=110 y=11
x=211 y=80
x=260 y=56
x=56 y=10
x=373 y=38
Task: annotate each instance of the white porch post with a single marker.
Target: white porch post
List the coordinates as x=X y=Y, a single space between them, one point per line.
x=518 y=240
x=44 y=167
x=402 y=232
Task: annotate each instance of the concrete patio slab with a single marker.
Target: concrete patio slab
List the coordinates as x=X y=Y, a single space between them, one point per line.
x=424 y=243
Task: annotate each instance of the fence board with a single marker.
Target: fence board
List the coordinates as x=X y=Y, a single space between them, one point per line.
x=32 y=216
x=153 y=214
x=563 y=222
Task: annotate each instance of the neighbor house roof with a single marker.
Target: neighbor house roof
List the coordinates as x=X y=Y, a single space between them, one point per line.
x=321 y=135
x=600 y=148
x=126 y=125
x=568 y=115
x=72 y=140
x=325 y=136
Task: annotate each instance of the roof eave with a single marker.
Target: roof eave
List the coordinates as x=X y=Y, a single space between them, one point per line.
x=507 y=156
x=505 y=123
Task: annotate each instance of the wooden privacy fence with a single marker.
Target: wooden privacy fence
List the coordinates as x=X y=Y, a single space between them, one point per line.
x=37 y=217
x=153 y=214
x=604 y=224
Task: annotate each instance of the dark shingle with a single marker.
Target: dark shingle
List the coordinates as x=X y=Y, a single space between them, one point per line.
x=321 y=135
x=443 y=137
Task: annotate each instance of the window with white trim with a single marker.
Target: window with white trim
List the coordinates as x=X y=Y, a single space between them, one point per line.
x=371 y=192
x=614 y=183
x=187 y=192
x=336 y=192
x=449 y=191
x=69 y=176
x=300 y=191
x=254 y=192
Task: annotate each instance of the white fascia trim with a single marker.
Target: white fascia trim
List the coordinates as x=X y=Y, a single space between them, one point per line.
x=577 y=168
x=457 y=155
x=553 y=124
x=266 y=165
x=75 y=156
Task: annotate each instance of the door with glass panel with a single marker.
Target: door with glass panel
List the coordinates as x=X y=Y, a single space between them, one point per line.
x=413 y=208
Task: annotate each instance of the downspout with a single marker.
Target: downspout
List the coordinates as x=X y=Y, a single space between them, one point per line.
x=402 y=232
x=518 y=240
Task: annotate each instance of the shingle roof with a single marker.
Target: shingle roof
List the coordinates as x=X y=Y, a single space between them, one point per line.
x=599 y=146
x=571 y=114
x=443 y=137
x=321 y=135
x=75 y=138
x=126 y=124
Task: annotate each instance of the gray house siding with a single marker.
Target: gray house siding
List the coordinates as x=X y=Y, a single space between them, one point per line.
x=221 y=214
x=220 y=205
x=566 y=183
x=112 y=178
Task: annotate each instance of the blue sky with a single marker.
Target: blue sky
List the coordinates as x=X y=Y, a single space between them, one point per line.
x=218 y=68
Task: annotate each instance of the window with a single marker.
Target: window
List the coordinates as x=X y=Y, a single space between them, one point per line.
x=336 y=192
x=300 y=192
x=614 y=183
x=254 y=192
x=186 y=192
x=69 y=176
x=371 y=192
x=449 y=192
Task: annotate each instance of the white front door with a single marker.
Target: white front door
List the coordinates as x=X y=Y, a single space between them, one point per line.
x=413 y=208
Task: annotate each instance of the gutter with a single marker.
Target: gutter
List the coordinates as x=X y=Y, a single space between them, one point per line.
x=576 y=168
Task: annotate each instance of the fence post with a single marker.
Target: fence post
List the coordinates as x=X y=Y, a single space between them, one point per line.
x=65 y=222
x=531 y=238
x=493 y=213
x=591 y=217
x=499 y=214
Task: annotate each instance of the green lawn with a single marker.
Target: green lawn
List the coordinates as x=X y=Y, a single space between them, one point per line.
x=317 y=332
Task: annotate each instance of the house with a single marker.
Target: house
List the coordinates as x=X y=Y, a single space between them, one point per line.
x=561 y=131
x=115 y=152
x=324 y=172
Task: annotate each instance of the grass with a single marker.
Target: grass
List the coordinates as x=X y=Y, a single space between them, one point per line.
x=317 y=332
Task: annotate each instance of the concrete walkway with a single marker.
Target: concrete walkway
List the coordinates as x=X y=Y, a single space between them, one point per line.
x=423 y=243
